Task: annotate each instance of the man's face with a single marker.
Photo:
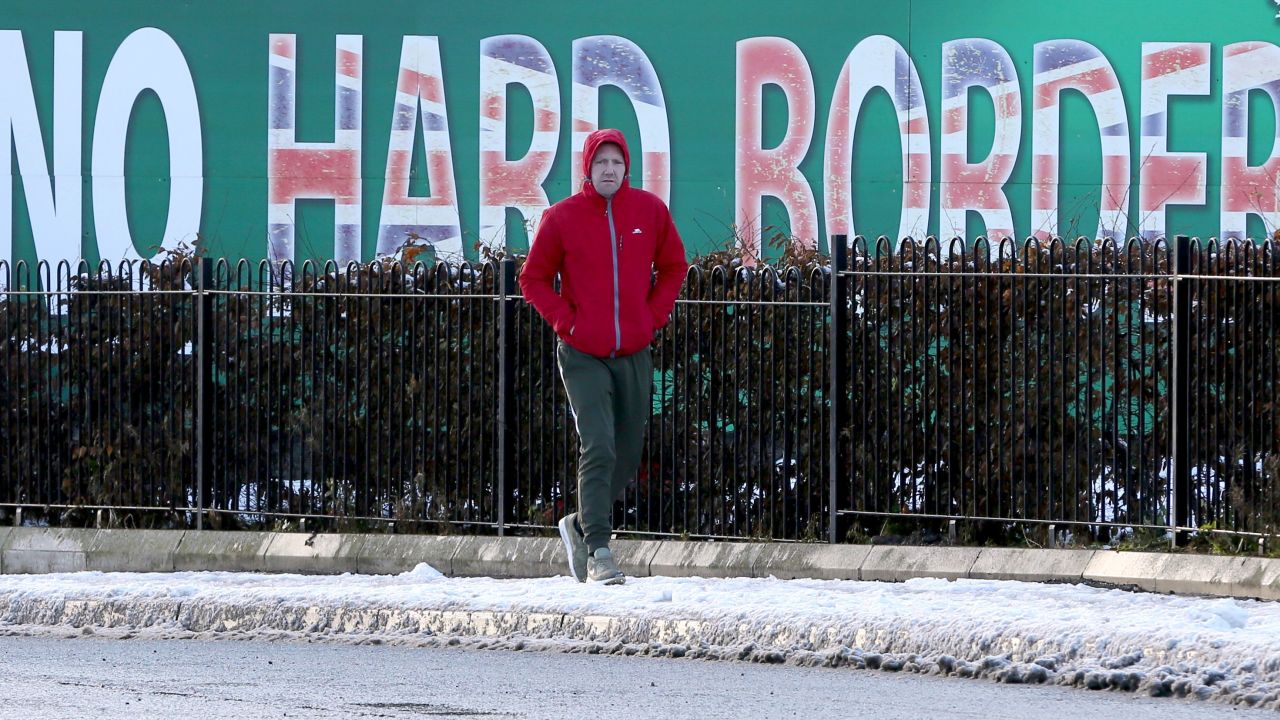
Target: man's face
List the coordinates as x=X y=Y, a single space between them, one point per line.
x=607 y=169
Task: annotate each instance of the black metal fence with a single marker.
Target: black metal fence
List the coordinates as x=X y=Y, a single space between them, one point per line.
x=1094 y=384
x=1006 y=382
x=97 y=387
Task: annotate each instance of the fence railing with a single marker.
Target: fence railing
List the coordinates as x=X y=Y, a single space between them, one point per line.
x=1093 y=385
x=1005 y=382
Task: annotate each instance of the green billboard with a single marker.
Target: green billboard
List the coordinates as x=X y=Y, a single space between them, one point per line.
x=325 y=129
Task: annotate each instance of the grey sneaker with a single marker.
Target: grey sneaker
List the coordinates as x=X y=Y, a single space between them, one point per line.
x=575 y=546
x=602 y=568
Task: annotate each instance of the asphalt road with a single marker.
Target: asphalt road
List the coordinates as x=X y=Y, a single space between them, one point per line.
x=91 y=677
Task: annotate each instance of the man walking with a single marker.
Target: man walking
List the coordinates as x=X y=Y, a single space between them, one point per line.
x=605 y=242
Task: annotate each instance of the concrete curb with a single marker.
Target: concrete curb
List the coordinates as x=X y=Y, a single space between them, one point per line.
x=702 y=559
x=221 y=551
x=513 y=557
x=635 y=557
x=393 y=554
x=1225 y=576
x=314 y=554
x=48 y=550
x=788 y=561
x=130 y=551
x=897 y=563
x=1031 y=565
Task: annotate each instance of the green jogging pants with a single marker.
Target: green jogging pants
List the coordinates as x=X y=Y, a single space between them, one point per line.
x=611 y=400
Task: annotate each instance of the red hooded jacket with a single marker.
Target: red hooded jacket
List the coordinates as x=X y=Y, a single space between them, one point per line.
x=605 y=251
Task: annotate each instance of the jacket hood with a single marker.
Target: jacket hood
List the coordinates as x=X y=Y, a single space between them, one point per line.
x=593 y=143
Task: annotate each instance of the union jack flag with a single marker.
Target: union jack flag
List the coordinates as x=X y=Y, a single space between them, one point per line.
x=880 y=62
x=507 y=183
x=601 y=60
x=774 y=172
x=1165 y=177
x=323 y=170
x=420 y=103
x=966 y=63
x=1248 y=189
x=1077 y=65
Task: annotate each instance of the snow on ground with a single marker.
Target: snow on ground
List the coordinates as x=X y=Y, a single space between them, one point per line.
x=1221 y=649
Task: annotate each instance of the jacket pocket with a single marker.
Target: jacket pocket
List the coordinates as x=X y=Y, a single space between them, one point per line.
x=637 y=331
x=583 y=333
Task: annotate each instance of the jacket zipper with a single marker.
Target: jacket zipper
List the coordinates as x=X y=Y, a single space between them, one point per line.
x=617 y=311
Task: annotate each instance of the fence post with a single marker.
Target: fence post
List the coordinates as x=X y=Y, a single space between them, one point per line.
x=506 y=385
x=204 y=385
x=1181 y=390
x=838 y=349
